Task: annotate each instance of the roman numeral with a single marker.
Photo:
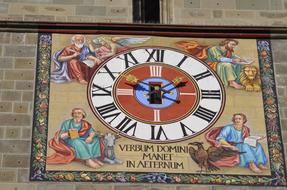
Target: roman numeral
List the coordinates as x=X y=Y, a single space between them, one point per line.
x=159 y=134
x=129 y=58
x=100 y=91
x=156 y=54
x=211 y=94
x=125 y=92
x=184 y=127
x=181 y=61
x=155 y=71
x=106 y=109
x=202 y=75
x=156 y=115
x=109 y=72
x=187 y=93
x=205 y=114
x=123 y=125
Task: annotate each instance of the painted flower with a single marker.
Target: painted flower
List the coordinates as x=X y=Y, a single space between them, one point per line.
x=39 y=156
x=177 y=179
x=100 y=177
x=110 y=178
x=194 y=180
x=251 y=181
x=218 y=180
x=61 y=176
x=42 y=96
x=270 y=101
x=43 y=106
x=274 y=138
x=276 y=155
x=267 y=65
x=132 y=178
x=85 y=176
x=69 y=177
x=41 y=128
x=264 y=54
x=44 y=81
x=212 y=180
x=41 y=120
x=58 y=177
x=260 y=180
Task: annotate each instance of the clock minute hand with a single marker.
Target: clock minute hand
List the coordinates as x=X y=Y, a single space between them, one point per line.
x=171 y=99
x=176 y=81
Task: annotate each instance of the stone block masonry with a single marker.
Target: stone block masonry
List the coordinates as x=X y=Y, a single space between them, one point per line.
x=64 y=10
x=229 y=12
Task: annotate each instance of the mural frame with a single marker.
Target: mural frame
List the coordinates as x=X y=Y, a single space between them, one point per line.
x=38 y=170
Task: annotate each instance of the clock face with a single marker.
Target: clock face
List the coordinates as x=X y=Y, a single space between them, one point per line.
x=156 y=94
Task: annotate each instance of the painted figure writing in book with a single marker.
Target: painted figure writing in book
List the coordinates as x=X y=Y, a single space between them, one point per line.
x=226 y=63
x=76 y=140
x=74 y=61
x=237 y=137
x=221 y=58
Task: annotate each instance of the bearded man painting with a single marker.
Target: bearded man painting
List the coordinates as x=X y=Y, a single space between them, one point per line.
x=70 y=64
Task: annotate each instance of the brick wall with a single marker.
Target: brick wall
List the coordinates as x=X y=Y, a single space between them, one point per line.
x=17 y=67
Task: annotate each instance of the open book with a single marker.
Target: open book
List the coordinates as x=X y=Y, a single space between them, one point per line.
x=89 y=63
x=73 y=133
x=252 y=140
x=245 y=62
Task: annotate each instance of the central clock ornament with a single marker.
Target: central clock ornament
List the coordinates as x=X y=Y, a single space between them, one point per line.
x=156 y=94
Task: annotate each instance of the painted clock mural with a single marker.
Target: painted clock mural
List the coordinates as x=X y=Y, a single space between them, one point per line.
x=156 y=109
x=156 y=94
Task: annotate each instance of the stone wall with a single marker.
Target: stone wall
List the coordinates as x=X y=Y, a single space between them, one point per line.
x=18 y=56
x=195 y=12
x=66 y=10
x=228 y=12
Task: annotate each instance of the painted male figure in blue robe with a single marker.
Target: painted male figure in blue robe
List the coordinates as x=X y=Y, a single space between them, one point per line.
x=76 y=140
x=233 y=135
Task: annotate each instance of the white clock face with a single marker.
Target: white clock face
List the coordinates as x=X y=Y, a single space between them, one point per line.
x=156 y=94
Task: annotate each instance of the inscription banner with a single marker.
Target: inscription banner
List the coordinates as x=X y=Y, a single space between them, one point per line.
x=154 y=109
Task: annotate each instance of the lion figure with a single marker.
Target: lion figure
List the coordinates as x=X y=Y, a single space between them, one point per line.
x=249 y=78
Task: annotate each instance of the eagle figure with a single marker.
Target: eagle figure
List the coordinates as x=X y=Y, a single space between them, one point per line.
x=205 y=158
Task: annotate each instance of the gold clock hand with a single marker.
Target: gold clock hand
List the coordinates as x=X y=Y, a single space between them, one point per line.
x=131 y=78
x=135 y=80
x=177 y=81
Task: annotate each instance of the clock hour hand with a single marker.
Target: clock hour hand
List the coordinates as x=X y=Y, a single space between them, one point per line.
x=177 y=81
x=134 y=80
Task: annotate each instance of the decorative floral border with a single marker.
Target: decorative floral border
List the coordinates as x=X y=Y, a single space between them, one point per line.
x=40 y=129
